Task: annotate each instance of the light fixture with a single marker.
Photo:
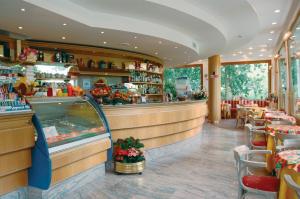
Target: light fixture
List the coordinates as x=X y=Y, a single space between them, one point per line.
x=250 y=53
x=274 y=23
x=63 y=38
x=277 y=11
x=102 y=32
x=135 y=37
x=23 y=9
x=135 y=47
x=263 y=50
x=175 y=47
x=240 y=52
x=64 y=24
x=270 y=39
x=291 y=46
x=156 y=53
x=272 y=32
x=104 y=42
x=263 y=45
x=160 y=42
x=250 y=48
x=234 y=54
x=20 y=27
x=298 y=28
x=261 y=55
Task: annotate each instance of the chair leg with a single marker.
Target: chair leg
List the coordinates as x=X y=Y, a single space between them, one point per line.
x=241 y=193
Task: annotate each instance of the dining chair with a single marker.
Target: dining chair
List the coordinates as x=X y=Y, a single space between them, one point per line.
x=241 y=117
x=255 y=121
x=252 y=133
x=266 y=186
x=287 y=141
x=282 y=122
x=292 y=184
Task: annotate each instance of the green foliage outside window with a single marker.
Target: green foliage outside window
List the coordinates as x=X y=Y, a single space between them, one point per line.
x=249 y=81
x=295 y=67
x=170 y=75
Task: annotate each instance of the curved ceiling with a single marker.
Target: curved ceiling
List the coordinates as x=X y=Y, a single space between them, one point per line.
x=176 y=31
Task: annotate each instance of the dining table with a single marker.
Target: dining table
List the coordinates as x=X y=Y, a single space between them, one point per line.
x=272 y=129
x=287 y=163
x=277 y=116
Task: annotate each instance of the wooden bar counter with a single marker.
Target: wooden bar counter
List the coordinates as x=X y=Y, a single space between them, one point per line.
x=157 y=124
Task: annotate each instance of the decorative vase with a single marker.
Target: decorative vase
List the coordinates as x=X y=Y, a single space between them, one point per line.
x=129 y=168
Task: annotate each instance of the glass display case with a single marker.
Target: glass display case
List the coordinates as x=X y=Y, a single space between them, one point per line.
x=68 y=121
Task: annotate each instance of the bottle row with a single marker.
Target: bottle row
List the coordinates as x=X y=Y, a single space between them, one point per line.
x=137 y=76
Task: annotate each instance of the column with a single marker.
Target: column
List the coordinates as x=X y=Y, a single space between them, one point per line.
x=214 y=89
x=289 y=83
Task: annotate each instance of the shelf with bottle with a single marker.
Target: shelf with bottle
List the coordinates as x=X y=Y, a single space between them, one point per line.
x=138 y=77
x=150 y=83
x=145 y=89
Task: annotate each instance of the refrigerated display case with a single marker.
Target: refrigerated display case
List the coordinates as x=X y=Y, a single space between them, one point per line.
x=63 y=124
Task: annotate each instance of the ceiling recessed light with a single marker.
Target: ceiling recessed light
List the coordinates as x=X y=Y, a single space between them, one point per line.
x=104 y=42
x=156 y=53
x=233 y=54
x=20 y=27
x=135 y=37
x=160 y=42
x=240 y=52
x=63 y=38
x=277 y=11
x=274 y=23
x=272 y=32
x=175 y=47
x=64 y=24
x=135 y=47
x=263 y=50
x=23 y=9
x=250 y=53
x=250 y=48
x=261 y=55
x=102 y=32
x=270 y=39
x=263 y=45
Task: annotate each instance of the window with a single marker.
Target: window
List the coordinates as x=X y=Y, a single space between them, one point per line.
x=249 y=81
x=193 y=73
x=295 y=66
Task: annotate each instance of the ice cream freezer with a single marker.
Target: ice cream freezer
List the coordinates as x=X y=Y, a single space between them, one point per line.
x=72 y=135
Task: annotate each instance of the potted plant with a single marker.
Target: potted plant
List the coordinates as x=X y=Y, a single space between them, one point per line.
x=128 y=156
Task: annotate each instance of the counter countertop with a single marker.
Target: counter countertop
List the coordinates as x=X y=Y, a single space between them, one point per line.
x=154 y=104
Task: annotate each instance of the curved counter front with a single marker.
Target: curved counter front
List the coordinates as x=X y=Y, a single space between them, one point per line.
x=157 y=124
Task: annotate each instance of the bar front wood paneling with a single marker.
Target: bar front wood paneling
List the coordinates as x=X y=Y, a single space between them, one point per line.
x=157 y=124
x=73 y=161
x=16 y=141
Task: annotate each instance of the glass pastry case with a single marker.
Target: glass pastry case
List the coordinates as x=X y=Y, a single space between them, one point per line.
x=63 y=124
x=68 y=121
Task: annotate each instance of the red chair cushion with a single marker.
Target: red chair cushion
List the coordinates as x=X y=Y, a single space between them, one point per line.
x=259 y=143
x=264 y=183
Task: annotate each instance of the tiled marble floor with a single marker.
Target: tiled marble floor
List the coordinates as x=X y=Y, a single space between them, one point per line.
x=204 y=170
